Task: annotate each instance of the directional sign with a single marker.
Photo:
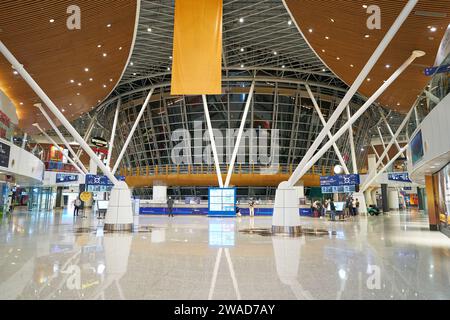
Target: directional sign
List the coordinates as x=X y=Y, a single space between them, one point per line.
x=96 y=180
x=340 y=180
x=402 y=177
x=435 y=70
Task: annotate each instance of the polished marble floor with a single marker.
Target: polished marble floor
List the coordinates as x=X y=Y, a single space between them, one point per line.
x=52 y=255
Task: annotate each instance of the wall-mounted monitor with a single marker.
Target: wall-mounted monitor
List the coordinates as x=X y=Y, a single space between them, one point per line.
x=417 y=148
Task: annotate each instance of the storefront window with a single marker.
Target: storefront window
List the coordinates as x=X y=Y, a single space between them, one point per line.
x=444 y=198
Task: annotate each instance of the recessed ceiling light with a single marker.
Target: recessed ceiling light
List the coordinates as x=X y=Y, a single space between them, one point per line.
x=99 y=46
x=289 y=22
x=368 y=79
x=134 y=73
x=149 y=29
x=283 y=66
x=337 y=58
x=120 y=48
x=310 y=30
x=241 y=20
x=323 y=50
x=324 y=70
x=104 y=54
x=351 y=66
x=110 y=80
x=72 y=81
x=168 y=68
x=108 y=25
x=78 y=93
x=131 y=63
x=15 y=72
x=332 y=20
x=327 y=37
x=242 y=49
x=63 y=110
x=364 y=6
x=90 y=79
x=388 y=66
x=21 y=103
x=86 y=69
x=104 y=86
x=242 y=65
x=398 y=103
x=70 y=104
x=275 y=53
x=366 y=36
x=79 y=84
x=433 y=29
x=170 y=57
x=52 y=20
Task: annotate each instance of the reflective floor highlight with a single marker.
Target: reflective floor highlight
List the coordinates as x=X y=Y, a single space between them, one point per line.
x=52 y=255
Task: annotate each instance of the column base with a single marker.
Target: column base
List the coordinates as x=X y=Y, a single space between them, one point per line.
x=119 y=216
x=292 y=230
x=286 y=218
x=118 y=227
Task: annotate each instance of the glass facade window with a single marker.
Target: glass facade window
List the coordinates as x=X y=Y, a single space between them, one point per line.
x=443 y=196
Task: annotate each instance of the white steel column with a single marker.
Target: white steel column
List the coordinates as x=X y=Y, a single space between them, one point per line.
x=113 y=133
x=59 y=148
x=322 y=119
x=24 y=140
x=375 y=151
x=390 y=130
x=352 y=142
x=368 y=183
x=239 y=136
x=356 y=115
x=130 y=135
x=212 y=141
x=355 y=86
x=382 y=142
x=75 y=158
x=25 y=75
x=416 y=115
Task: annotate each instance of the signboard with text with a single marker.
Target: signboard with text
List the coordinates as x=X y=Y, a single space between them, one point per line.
x=63 y=178
x=340 y=180
x=402 y=177
x=222 y=202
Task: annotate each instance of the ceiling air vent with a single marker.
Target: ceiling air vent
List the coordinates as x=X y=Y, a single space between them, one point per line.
x=430 y=14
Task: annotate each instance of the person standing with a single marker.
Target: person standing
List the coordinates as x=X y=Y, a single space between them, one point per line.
x=77 y=205
x=170 y=206
x=356 y=207
x=332 y=210
x=251 y=207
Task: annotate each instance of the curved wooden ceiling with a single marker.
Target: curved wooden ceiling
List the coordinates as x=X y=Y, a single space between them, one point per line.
x=338 y=33
x=55 y=55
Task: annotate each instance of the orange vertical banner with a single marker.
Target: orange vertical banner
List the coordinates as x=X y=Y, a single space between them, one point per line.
x=197 y=47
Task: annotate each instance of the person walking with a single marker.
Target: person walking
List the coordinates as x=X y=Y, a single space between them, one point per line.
x=332 y=210
x=354 y=207
x=77 y=205
x=170 y=206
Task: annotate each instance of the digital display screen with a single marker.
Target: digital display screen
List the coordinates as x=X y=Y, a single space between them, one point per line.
x=417 y=148
x=222 y=202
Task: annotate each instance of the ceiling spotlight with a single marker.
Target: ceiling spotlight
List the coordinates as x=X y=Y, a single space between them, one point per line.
x=149 y=29
x=86 y=69
x=134 y=73
x=72 y=81
x=90 y=79
x=337 y=58
x=332 y=20
x=388 y=66
x=366 y=36
x=168 y=68
x=131 y=63
x=104 y=54
x=398 y=103
x=70 y=104
x=108 y=25
x=78 y=93
x=310 y=30
x=110 y=80
x=120 y=48
x=99 y=46
x=275 y=53
x=15 y=72
x=351 y=66
x=327 y=37
x=79 y=84
x=52 y=20
x=289 y=22
x=323 y=70
x=433 y=29
x=241 y=20
x=323 y=50
x=368 y=79
x=283 y=66
x=242 y=65
x=63 y=110
x=242 y=49
x=104 y=86
x=21 y=103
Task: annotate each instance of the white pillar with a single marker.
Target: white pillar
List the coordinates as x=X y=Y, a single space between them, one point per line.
x=61 y=137
x=393 y=201
x=160 y=194
x=130 y=135
x=352 y=142
x=322 y=119
x=298 y=173
x=239 y=136
x=212 y=141
x=113 y=133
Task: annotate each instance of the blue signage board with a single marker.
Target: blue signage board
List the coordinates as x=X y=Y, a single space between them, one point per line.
x=96 y=180
x=435 y=70
x=339 y=180
x=64 y=177
x=222 y=202
x=402 y=177
x=339 y=189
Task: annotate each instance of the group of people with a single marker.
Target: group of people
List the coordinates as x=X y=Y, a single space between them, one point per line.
x=320 y=209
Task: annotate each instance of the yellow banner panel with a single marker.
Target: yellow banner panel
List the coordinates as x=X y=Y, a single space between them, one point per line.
x=197 y=47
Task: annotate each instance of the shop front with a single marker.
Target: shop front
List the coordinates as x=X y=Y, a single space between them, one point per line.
x=443 y=198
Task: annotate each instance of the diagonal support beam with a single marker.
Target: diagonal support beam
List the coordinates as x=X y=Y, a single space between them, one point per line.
x=87 y=134
x=353 y=89
x=60 y=135
x=43 y=96
x=133 y=129
x=212 y=141
x=390 y=130
x=59 y=148
x=113 y=132
x=383 y=143
x=356 y=115
x=322 y=119
x=239 y=136
x=352 y=143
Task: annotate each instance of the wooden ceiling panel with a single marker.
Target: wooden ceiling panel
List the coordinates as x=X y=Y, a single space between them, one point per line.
x=55 y=55
x=350 y=43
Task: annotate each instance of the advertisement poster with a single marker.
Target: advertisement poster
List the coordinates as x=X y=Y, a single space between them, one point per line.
x=4 y=154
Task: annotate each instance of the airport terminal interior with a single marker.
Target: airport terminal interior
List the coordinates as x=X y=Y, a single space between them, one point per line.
x=224 y=150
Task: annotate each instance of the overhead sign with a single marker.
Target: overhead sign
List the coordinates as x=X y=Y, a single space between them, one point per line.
x=4 y=154
x=99 y=142
x=402 y=177
x=340 y=180
x=339 y=189
x=436 y=70
x=96 y=180
x=62 y=177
